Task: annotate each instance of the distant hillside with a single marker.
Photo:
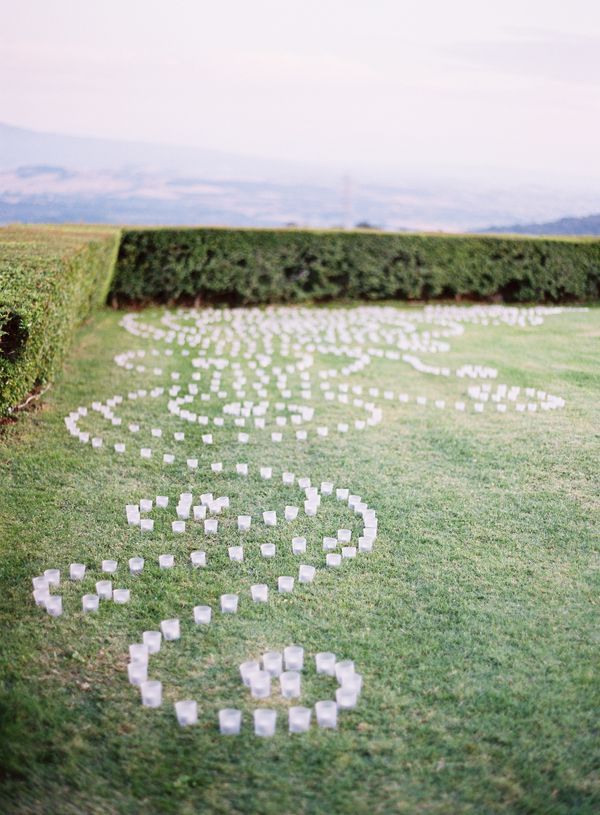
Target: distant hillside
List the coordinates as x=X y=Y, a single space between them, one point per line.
x=588 y=225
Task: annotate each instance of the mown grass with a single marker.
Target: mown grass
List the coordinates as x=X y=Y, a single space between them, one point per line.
x=474 y=621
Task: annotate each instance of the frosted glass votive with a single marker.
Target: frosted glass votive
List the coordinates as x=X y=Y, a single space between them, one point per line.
x=344 y=535
x=170 y=629
x=285 y=584
x=151 y=691
x=299 y=719
x=186 y=712
x=166 y=561
x=346 y=697
x=268 y=549
x=270 y=518
x=77 y=571
x=306 y=573
x=230 y=721
x=293 y=657
x=198 y=558
x=152 y=640
x=138 y=652
x=348 y=551
x=137 y=672
x=90 y=602
x=325 y=663
x=260 y=684
x=121 y=596
x=298 y=546
x=290 y=513
x=326 y=713
x=247 y=671
x=202 y=615
x=290 y=684
x=264 y=722
x=244 y=522
x=211 y=526
x=259 y=592
x=54 y=605
x=236 y=553
x=136 y=564
x=104 y=589
x=146 y=525
x=343 y=670
x=162 y=501
x=229 y=603
x=178 y=527
x=52 y=576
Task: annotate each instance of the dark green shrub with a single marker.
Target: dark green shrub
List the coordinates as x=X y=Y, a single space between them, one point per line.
x=243 y=266
x=50 y=279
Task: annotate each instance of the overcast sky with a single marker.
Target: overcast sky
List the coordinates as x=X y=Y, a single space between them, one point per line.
x=508 y=88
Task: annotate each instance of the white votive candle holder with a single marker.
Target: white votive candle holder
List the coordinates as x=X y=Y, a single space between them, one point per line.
x=265 y=721
x=41 y=596
x=90 y=602
x=290 y=513
x=53 y=605
x=230 y=721
x=186 y=712
x=343 y=670
x=121 y=596
x=211 y=526
x=273 y=662
x=104 y=589
x=146 y=525
x=325 y=663
x=299 y=719
x=198 y=558
x=270 y=518
x=260 y=684
x=333 y=560
x=293 y=657
x=329 y=543
x=229 y=603
x=306 y=573
x=326 y=713
x=202 y=615
x=344 y=535
x=199 y=512
x=146 y=504
x=77 y=571
x=285 y=584
x=260 y=592
x=151 y=691
x=137 y=672
x=349 y=551
x=288 y=479
x=162 y=501
x=138 y=652
x=346 y=697
x=152 y=640
x=268 y=549
x=236 y=553
x=290 y=684
x=178 y=527
x=170 y=629
x=136 y=565
x=166 y=561
x=298 y=546
x=247 y=671
x=52 y=576
x=244 y=522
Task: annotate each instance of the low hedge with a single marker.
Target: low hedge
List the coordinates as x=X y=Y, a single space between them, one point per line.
x=50 y=279
x=243 y=266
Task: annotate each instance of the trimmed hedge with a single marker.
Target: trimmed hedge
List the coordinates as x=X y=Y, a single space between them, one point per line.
x=244 y=266
x=50 y=279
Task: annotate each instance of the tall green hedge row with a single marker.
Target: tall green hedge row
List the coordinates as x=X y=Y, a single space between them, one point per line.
x=50 y=279
x=243 y=266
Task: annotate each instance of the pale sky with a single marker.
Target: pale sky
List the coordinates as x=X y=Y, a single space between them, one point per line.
x=506 y=87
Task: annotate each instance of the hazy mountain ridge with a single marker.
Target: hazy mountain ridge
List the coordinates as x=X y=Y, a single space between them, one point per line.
x=586 y=225
x=48 y=177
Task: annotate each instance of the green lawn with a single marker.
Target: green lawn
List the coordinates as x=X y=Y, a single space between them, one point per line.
x=474 y=621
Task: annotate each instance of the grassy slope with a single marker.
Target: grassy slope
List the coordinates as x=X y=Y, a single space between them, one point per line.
x=474 y=621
